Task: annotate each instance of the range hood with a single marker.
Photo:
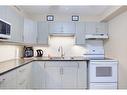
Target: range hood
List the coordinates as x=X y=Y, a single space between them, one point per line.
x=96 y=36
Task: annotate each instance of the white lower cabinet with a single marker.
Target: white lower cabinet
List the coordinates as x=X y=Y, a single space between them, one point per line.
x=82 y=75
x=65 y=75
x=38 y=75
x=69 y=77
x=8 y=81
x=47 y=75
x=52 y=78
x=23 y=77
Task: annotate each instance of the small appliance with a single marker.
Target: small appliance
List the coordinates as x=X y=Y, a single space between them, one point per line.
x=28 y=51
x=39 y=53
x=5 y=29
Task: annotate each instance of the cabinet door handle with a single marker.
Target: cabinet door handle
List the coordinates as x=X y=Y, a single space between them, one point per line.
x=2 y=81
x=78 y=65
x=61 y=71
x=22 y=70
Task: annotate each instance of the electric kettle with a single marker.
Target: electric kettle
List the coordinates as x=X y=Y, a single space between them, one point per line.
x=39 y=53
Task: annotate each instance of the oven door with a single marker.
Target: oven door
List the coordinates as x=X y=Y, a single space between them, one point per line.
x=102 y=71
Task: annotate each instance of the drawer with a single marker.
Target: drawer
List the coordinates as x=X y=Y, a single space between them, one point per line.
x=52 y=64
x=61 y=64
x=103 y=86
x=69 y=64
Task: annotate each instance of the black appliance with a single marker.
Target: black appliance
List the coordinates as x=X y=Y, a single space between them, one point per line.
x=28 y=51
x=5 y=29
x=39 y=53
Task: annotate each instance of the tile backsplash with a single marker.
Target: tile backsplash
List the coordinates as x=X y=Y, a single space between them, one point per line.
x=68 y=44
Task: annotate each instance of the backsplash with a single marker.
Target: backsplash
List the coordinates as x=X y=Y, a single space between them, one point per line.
x=68 y=44
x=8 y=52
x=69 y=47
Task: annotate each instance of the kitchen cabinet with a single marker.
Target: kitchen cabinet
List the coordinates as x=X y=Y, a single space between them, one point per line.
x=8 y=80
x=82 y=74
x=42 y=37
x=61 y=74
x=80 y=33
x=69 y=77
x=23 y=77
x=38 y=75
x=3 y=13
x=30 y=31
x=62 y=28
x=53 y=78
x=17 y=25
x=96 y=28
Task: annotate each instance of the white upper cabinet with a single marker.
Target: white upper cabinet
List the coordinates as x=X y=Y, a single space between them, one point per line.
x=30 y=31
x=61 y=28
x=17 y=22
x=3 y=12
x=80 y=33
x=42 y=36
x=96 y=28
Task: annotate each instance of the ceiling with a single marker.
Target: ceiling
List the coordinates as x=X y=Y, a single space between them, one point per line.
x=73 y=10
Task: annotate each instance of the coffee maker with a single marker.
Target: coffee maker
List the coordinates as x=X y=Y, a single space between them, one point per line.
x=28 y=52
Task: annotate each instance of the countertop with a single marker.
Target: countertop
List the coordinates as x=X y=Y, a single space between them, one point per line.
x=9 y=65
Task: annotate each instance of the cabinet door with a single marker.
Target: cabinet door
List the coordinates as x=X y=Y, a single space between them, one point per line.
x=90 y=27
x=101 y=28
x=96 y=28
x=80 y=33
x=82 y=75
x=24 y=76
x=30 y=31
x=3 y=12
x=62 y=27
x=8 y=80
x=55 y=27
x=69 y=77
x=17 y=24
x=42 y=36
x=38 y=75
x=53 y=78
x=68 y=27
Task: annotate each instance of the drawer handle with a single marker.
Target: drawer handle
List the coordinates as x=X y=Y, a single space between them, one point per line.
x=2 y=81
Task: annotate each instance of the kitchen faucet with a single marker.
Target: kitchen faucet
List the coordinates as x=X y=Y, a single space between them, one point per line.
x=60 y=49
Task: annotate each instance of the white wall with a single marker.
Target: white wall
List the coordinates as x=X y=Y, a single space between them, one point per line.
x=8 y=52
x=116 y=46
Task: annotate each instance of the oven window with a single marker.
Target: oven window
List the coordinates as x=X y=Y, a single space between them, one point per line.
x=103 y=71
